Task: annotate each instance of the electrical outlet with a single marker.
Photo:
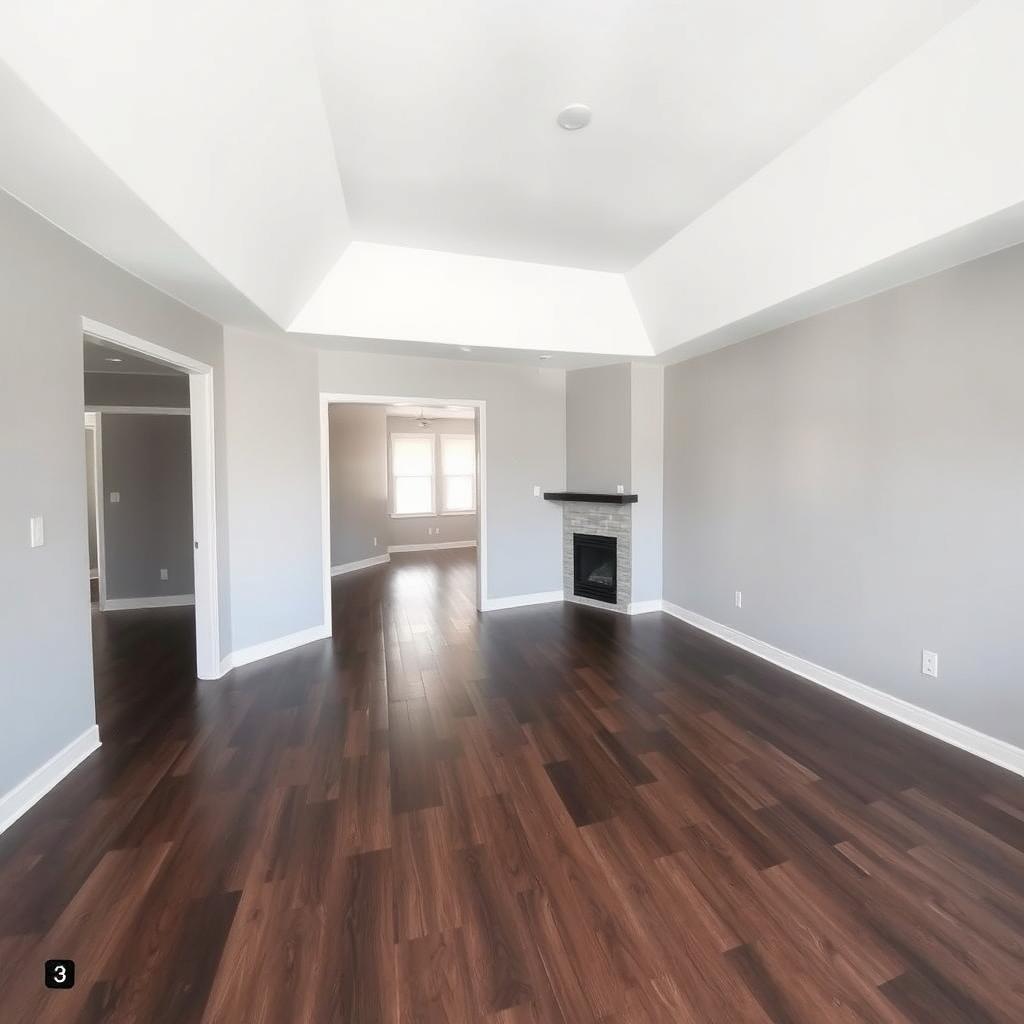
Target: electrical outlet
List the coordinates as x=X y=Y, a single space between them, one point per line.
x=35 y=532
x=739 y=598
x=620 y=488
x=115 y=497
x=536 y=490
x=163 y=574
x=930 y=664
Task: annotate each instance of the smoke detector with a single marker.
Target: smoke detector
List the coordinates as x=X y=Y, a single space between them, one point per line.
x=574 y=117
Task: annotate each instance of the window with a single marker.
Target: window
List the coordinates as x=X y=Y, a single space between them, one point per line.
x=412 y=474
x=458 y=473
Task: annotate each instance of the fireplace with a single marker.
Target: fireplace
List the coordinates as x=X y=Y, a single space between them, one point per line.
x=595 y=569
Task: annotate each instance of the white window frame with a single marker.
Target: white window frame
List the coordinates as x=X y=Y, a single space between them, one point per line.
x=441 y=475
x=392 y=476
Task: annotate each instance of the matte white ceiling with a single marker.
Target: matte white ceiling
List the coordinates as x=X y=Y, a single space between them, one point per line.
x=443 y=115
x=390 y=174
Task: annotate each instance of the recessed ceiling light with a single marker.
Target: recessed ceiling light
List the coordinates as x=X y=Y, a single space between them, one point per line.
x=465 y=348
x=113 y=359
x=574 y=117
x=545 y=357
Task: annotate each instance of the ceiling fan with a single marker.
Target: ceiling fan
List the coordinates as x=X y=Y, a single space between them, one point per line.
x=423 y=422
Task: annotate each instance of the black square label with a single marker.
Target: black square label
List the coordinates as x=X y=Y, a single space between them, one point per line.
x=59 y=973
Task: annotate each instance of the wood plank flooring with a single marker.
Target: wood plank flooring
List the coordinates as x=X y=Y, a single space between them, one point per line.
x=549 y=814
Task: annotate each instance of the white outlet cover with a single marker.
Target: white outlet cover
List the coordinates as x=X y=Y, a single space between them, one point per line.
x=930 y=664
x=35 y=532
x=115 y=497
x=536 y=491
x=739 y=598
x=620 y=488
x=163 y=574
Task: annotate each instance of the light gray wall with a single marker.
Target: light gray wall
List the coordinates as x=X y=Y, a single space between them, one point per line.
x=165 y=391
x=597 y=429
x=359 y=482
x=90 y=496
x=47 y=283
x=449 y=528
x=147 y=460
x=272 y=416
x=525 y=447
x=860 y=477
x=647 y=462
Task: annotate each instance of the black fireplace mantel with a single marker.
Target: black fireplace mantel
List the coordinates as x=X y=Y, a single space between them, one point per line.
x=603 y=499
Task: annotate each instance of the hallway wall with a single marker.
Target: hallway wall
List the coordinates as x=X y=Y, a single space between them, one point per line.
x=48 y=282
x=359 y=482
x=147 y=461
x=525 y=448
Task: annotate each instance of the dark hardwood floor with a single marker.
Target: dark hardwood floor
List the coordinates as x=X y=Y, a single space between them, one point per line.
x=545 y=814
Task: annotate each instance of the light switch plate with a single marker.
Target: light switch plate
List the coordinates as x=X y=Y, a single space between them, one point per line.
x=536 y=491
x=620 y=488
x=115 y=497
x=35 y=531
x=163 y=574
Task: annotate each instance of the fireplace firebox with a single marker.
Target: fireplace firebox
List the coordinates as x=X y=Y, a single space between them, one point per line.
x=594 y=567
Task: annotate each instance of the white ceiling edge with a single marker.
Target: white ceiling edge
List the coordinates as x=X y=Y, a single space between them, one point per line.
x=982 y=238
x=396 y=293
x=47 y=168
x=476 y=354
x=212 y=115
x=905 y=168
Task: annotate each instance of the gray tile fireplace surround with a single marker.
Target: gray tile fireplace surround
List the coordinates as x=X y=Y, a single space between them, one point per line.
x=603 y=520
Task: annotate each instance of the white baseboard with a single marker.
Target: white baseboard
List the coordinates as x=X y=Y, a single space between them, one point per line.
x=365 y=563
x=120 y=604
x=988 y=747
x=247 y=655
x=493 y=604
x=433 y=547
x=643 y=607
x=15 y=802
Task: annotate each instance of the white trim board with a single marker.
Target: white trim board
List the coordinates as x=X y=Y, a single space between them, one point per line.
x=204 y=486
x=247 y=655
x=643 y=607
x=15 y=802
x=974 y=742
x=365 y=563
x=432 y=547
x=121 y=604
x=139 y=410
x=494 y=604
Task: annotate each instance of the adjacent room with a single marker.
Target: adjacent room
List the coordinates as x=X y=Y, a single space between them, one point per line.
x=139 y=497
x=511 y=514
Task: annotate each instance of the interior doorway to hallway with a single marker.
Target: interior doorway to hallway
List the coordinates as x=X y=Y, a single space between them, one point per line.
x=185 y=427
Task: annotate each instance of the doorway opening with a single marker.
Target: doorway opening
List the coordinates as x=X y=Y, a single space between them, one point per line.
x=401 y=476
x=149 y=416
